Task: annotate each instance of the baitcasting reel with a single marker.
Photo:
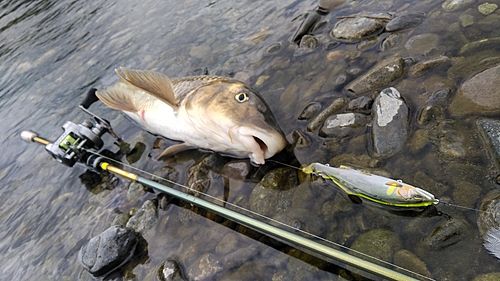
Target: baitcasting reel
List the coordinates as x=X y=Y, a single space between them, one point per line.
x=76 y=143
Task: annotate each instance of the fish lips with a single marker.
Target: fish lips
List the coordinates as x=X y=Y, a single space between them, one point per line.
x=260 y=143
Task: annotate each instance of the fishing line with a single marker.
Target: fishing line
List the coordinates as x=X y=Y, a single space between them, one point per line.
x=263 y=216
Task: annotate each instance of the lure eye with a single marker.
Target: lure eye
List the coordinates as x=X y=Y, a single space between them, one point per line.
x=241 y=97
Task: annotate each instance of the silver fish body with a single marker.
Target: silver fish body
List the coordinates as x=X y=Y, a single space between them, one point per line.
x=208 y=112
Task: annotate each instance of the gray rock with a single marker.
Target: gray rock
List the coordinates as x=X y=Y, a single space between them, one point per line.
x=237 y=169
x=448 y=233
x=357 y=28
x=422 y=44
x=405 y=21
x=343 y=125
x=250 y=271
x=301 y=219
x=440 y=97
x=170 y=270
x=490 y=131
x=421 y=67
x=480 y=94
x=379 y=243
x=309 y=42
x=382 y=74
x=430 y=114
x=108 y=250
x=391 y=41
x=135 y=191
x=227 y=244
x=205 y=268
x=390 y=122
x=335 y=106
x=410 y=261
x=145 y=218
x=362 y=104
x=487 y=8
x=453 y=5
x=480 y=45
x=240 y=256
x=309 y=111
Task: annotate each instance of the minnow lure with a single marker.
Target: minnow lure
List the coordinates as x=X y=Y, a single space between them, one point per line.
x=375 y=188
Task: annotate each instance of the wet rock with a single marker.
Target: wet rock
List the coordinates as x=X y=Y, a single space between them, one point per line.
x=453 y=5
x=144 y=219
x=466 y=20
x=357 y=28
x=410 y=261
x=135 y=154
x=240 y=256
x=405 y=21
x=361 y=104
x=422 y=44
x=237 y=169
x=477 y=46
x=170 y=270
x=391 y=41
x=343 y=125
x=447 y=233
x=379 y=243
x=108 y=250
x=297 y=139
x=487 y=8
x=488 y=219
x=310 y=111
x=309 y=42
x=466 y=193
x=421 y=67
x=205 y=268
x=450 y=143
x=493 y=276
x=335 y=106
x=301 y=219
x=440 y=97
x=430 y=114
x=253 y=270
x=382 y=74
x=272 y=194
x=307 y=24
x=227 y=244
x=201 y=51
x=329 y=5
x=490 y=132
x=480 y=94
x=120 y=219
x=135 y=191
x=390 y=122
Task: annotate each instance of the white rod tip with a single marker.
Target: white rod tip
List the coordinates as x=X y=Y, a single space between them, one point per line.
x=28 y=136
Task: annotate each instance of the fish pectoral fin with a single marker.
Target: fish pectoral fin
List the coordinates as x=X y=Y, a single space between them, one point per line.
x=118 y=99
x=173 y=149
x=154 y=83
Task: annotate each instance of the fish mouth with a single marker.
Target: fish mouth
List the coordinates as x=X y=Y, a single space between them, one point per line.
x=261 y=144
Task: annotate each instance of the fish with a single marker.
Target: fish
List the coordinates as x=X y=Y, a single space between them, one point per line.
x=206 y=112
x=372 y=187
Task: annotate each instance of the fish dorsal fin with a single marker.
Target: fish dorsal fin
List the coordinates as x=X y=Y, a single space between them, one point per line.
x=153 y=83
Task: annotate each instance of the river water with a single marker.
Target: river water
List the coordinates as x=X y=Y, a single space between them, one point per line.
x=52 y=52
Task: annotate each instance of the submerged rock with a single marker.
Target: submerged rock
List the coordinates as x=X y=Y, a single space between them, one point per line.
x=405 y=21
x=108 y=250
x=453 y=5
x=421 y=67
x=335 y=106
x=422 y=44
x=390 y=122
x=490 y=131
x=205 y=268
x=357 y=28
x=362 y=104
x=145 y=218
x=487 y=8
x=343 y=125
x=170 y=270
x=480 y=94
x=379 y=243
x=448 y=233
x=382 y=74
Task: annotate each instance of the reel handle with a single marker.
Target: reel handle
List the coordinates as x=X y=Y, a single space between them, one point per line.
x=90 y=98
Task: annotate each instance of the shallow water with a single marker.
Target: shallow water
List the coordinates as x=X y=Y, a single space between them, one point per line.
x=53 y=51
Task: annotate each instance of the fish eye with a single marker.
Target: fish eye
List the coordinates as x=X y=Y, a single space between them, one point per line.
x=241 y=97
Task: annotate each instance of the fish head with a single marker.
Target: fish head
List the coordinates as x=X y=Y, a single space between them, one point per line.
x=237 y=118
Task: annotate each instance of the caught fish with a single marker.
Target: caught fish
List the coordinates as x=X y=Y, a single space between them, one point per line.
x=208 y=112
x=375 y=188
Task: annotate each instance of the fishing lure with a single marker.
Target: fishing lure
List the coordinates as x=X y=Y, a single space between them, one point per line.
x=375 y=188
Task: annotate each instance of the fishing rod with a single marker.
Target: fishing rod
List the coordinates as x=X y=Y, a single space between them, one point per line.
x=80 y=143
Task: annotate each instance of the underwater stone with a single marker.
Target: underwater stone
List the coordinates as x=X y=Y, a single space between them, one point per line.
x=302 y=219
x=108 y=250
x=145 y=218
x=310 y=110
x=354 y=29
x=170 y=270
x=487 y=8
x=380 y=75
x=343 y=125
x=390 y=122
x=335 y=106
x=362 y=104
x=480 y=45
x=421 y=67
x=205 y=268
x=430 y=114
x=405 y=21
x=453 y=5
x=391 y=41
x=422 y=44
x=309 y=42
x=448 y=233
x=379 y=243
x=480 y=94
x=490 y=131
x=410 y=261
